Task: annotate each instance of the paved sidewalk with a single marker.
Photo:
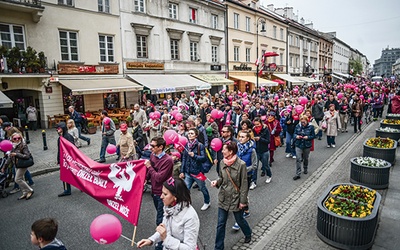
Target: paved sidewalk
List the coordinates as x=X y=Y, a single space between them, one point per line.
x=292 y=224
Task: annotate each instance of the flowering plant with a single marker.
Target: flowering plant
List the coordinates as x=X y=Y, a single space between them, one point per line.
x=380 y=142
x=391 y=121
x=390 y=130
x=351 y=201
x=371 y=162
x=393 y=115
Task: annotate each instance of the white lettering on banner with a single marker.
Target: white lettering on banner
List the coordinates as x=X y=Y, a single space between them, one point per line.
x=85 y=175
x=124 y=210
x=113 y=204
x=100 y=182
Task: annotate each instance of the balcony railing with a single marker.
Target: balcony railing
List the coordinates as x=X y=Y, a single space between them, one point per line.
x=34 y=3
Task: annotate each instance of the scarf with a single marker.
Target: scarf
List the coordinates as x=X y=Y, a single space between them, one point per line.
x=191 y=144
x=243 y=148
x=230 y=161
x=258 y=129
x=171 y=211
x=270 y=119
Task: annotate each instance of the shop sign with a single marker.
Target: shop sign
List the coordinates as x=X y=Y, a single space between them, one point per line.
x=91 y=69
x=242 y=67
x=215 y=67
x=144 y=65
x=71 y=68
x=165 y=90
x=53 y=79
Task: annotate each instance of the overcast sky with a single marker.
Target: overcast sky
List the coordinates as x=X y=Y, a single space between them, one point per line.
x=366 y=25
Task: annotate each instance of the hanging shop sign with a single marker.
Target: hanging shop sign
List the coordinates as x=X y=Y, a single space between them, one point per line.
x=242 y=67
x=144 y=65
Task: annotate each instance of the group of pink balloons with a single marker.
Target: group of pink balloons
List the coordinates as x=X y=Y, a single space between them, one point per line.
x=217 y=114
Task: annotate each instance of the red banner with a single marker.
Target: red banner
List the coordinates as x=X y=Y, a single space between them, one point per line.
x=119 y=186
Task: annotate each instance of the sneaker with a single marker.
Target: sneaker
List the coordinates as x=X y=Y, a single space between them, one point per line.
x=88 y=142
x=205 y=207
x=247 y=239
x=15 y=190
x=246 y=215
x=236 y=227
x=289 y=155
x=253 y=186
x=333 y=146
x=101 y=160
x=262 y=174
x=294 y=157
x=319 y=138
x=328 y=146
x=268 y=180
x=305 y=171
x=296 y=177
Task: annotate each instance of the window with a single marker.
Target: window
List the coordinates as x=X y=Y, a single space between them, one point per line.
x=280 y=58
x=173 y=10
x=236 y=53
x=264 y=27
x=69 y=46
x=193 y=15
x=291 y=61
x=235 y=20
x=274 y=32
x=214 y=54
x=274 y=60
x=174 y=49
x=297 y=62
x=248 y=53
x=248 y=24
x=106 y=45
x=194 y=56
x=139 y=5
x=66 y=2
x=103 y=5
x=282 y=34
x=214 y=21
x=290 y=40
x=12 y=36
x=141 y=45
x=297 y=43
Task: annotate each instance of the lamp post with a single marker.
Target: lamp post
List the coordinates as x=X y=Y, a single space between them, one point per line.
x=262 y=30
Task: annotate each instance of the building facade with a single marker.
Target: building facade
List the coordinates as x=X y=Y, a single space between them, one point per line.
x=325 y=57
x=383 y=65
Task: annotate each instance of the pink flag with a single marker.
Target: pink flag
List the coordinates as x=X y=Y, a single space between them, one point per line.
x=200 y=176
x=118 y=186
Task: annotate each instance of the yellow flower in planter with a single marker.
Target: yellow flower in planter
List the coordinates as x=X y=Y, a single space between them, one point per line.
x=380 y=142
x=391 y=121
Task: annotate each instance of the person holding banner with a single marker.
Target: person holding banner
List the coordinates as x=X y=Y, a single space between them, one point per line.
x=108 y=137
x=63 y=132
x=126 y=146
x=180 y=226
x=159 y=169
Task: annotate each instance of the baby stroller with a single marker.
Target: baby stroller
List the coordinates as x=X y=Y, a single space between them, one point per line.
x=3 y=179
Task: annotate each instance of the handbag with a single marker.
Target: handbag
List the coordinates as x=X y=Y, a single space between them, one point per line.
x=205 y=166
x=277 y=141
x=24 y=163
x=324 y=125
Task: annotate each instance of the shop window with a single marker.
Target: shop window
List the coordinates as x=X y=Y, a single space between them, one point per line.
x=111 y=100
x=72 y=100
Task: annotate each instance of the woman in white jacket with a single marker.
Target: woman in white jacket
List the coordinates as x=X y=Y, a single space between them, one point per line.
x=333 y=121
x=72 y=130
x=180 y=226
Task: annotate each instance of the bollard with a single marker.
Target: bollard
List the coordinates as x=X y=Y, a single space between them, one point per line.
x=27 y=135
x=44 y=140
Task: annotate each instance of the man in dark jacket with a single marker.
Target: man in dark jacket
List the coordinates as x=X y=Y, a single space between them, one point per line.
x=257 y=112
x=330 y=101
x=63 y=132
x=304 y=134
x=78 y=123
x=262 y=138
x=317 y=112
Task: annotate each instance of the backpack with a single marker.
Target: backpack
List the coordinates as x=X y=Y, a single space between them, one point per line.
x=205 y=166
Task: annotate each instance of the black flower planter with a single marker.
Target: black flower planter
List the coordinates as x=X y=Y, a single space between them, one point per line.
x=392 y=135
x=387 y=154
x=346 y=232
x=388 y=116
x=386 y=125
x=372 y=177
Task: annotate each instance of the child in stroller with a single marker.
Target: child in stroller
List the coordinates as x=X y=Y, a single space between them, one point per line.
x=4 y=180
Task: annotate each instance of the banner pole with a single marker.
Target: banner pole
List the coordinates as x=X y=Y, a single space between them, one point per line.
x=133 y=236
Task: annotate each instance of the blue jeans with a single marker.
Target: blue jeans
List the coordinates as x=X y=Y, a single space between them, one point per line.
x=264 y=158
x=27 y=176
x=289 y=149
x=159 y=205
x=319 y=134
x=331 y=140
x=302 y=157
x=202 y=185
x=80 y=134
x=221 y=226
x=104 y=143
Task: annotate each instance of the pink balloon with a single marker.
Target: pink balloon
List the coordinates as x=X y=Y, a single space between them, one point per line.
x=362 y=97
x=165 y=102
x=191 y=93
x=220 y=114
x=174 y=107
x=151 y=115
x=105 y=229
x=214 y=114
x=340 y=95
x=156 y=115
x=178 y=117
x=173 y=113
x=276 y=98
x=182 y=141
x=6 y=146
x=111 y=149
x=178 y=147
x=245 y=102
x=245 y=94
x=262 y=88
x=303 y=100
x=295 y=91
x=230 y=98
x=216 y=144
x=171 y=137
x=299 y=109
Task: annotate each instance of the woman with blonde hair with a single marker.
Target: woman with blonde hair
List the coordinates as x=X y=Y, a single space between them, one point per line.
x=73 y=130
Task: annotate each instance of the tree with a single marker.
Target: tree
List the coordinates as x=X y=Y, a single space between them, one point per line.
x=356 y=66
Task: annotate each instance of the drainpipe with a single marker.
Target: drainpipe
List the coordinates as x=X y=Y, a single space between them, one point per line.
x=226 y=43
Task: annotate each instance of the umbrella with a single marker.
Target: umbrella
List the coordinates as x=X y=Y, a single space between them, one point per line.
x=279 y=81
x=269 y=54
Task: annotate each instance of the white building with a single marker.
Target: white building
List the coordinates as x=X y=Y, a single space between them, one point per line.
x=166 y=43
x=340 y=59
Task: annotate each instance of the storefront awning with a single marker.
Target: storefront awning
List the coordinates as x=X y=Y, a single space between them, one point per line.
x=159 y=84
x=253 y=79
x=342 y=75
x=214 y=79
x=337 y=77
x=96 y=86
x=5 y=102
x=288 y=78
x=307 y=79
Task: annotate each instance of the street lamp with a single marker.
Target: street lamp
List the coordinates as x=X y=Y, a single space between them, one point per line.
x=262 y=30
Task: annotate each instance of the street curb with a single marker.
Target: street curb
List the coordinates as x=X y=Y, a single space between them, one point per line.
x=264 y=231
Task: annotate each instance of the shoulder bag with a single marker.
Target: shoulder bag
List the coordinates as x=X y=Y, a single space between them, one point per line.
x=24 y=163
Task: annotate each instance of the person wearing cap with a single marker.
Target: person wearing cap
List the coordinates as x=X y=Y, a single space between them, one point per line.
x=125 y=144
x=9 y=129
x=62 y=131
x=107 y=132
